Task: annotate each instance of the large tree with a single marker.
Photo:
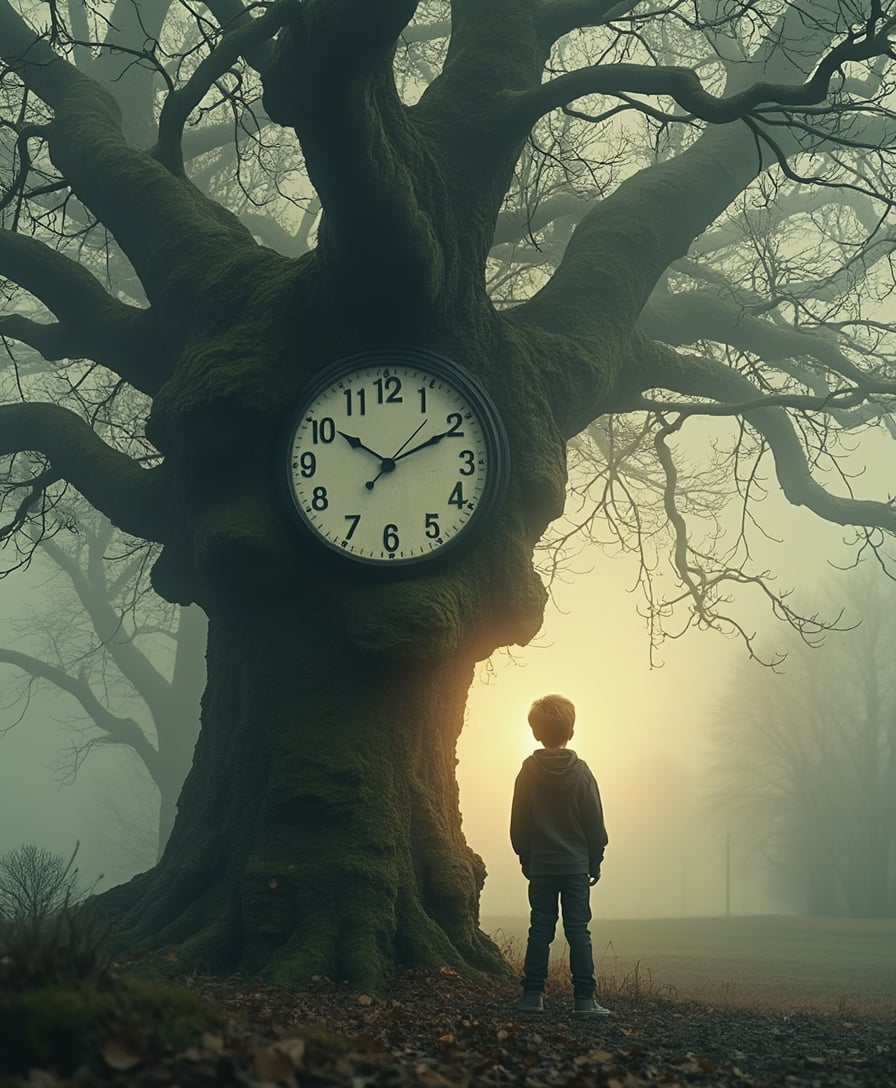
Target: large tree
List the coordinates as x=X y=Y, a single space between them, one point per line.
x=319 y=831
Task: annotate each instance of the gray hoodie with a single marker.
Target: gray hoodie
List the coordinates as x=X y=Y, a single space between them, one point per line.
x=556 y=820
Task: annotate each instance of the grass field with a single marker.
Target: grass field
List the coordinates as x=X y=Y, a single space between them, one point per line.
x=830 y=964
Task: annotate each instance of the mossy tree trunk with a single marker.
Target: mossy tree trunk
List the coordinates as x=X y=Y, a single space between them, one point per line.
x=319 y=831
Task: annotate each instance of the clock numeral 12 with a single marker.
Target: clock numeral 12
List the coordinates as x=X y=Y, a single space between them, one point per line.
x=388 y=390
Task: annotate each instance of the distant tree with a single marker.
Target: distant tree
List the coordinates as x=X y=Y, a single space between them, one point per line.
x=36 y=882
x=804 y=766
x=113 y=647
x=445 y=144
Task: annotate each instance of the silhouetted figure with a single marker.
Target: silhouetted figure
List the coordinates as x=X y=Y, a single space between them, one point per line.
x=557 y=829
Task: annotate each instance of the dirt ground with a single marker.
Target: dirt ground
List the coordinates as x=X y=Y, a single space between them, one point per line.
x=436 y=1030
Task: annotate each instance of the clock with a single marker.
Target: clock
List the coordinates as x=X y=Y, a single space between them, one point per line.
x=395 y=457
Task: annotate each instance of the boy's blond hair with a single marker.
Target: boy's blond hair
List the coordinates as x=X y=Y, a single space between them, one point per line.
x=552 y=718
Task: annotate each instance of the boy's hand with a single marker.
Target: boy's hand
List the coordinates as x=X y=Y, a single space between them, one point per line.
x=593 y=878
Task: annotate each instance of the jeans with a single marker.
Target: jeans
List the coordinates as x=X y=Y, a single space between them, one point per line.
x=574 y=895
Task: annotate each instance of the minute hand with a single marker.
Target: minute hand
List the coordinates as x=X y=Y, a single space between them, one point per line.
x=422 y=446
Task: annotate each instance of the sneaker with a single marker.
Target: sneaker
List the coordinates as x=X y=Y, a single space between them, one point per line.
x=588 y=1006
x=529 y=1001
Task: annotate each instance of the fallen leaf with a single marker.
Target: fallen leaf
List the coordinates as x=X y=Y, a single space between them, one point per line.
x=365 y=999
x=120 y=1055
x=280 y=1060
x=429 y=1078
x=214 y=1043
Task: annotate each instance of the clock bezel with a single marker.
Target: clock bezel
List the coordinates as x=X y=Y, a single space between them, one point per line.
x=495 y=435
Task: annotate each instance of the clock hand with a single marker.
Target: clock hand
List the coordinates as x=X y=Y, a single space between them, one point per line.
x=387 y=464
x=422 y=446
x=357 y=444
x=395 y=455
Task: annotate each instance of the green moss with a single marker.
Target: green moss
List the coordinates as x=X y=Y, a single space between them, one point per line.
x=61 y=1026
x=51 y=1025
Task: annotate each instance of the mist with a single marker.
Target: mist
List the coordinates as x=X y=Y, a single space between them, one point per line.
x=644 y=730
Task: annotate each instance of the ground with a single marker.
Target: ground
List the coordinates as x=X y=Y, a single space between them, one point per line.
x=433 y=1029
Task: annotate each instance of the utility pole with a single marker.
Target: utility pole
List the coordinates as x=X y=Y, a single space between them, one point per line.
x=728 y=874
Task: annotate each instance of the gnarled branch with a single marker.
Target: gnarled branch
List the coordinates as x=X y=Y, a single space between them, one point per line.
x=686 y=88
x=134 y=499
x=559 y=17
x=116 y=730
x=180 y=103
x=88 y=147
x=92 y=324
x=701 y=377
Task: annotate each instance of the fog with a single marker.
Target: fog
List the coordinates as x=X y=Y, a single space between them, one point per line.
x=642 y=730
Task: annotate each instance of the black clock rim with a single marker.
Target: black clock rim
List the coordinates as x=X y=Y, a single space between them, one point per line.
x=497 y=445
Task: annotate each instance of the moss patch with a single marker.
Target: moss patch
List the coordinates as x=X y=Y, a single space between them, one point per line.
x=61 y=1026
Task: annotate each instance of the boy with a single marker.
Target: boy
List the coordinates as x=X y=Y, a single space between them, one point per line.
x=557 y=829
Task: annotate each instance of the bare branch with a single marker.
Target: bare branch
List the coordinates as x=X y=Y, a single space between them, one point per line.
x=90 y=586
x=117 y=730
x=687 y=316
x=89 y=149
x=559 y=17
x=180 y=104
x=233 y=15
x=685 y=87
x=134 y=499
x=93 y=324
x=693 y=376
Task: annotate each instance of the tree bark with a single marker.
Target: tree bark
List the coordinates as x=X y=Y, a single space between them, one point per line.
x=319 y=831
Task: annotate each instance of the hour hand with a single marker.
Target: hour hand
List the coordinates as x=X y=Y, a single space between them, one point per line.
x=357 y=444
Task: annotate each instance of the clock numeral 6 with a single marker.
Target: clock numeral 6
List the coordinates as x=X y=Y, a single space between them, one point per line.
x=390 y=538
x=432 y=526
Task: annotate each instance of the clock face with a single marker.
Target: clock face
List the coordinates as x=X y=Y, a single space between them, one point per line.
x=395 y=457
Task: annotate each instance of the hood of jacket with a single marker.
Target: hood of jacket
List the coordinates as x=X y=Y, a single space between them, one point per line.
x=558 y=767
